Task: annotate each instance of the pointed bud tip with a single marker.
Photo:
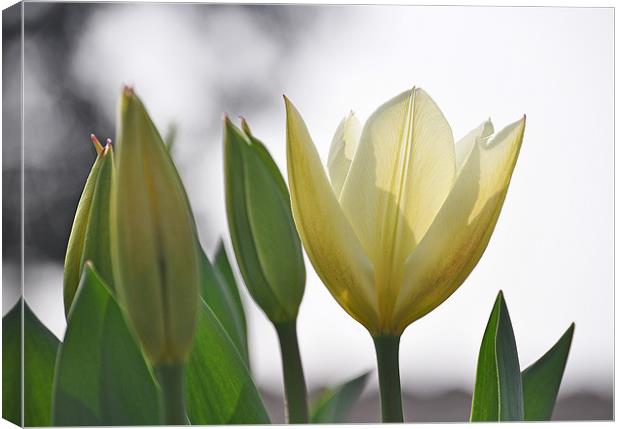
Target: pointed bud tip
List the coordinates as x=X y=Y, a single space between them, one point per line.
x=108 y=147
x=95 y=141
x=245 y=126
x=128 y=90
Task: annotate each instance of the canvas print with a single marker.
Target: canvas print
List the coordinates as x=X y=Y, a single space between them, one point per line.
x=284 y=214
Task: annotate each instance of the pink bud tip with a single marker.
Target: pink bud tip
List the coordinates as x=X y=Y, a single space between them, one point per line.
x=95 y=141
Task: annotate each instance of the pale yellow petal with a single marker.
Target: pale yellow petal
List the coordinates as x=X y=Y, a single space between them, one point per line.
x=329 y=240
x=402 y=171
x=342 y=149
x=458 y=237
x=464 y=146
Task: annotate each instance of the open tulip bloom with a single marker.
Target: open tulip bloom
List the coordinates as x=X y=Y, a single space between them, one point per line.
x=402 y=215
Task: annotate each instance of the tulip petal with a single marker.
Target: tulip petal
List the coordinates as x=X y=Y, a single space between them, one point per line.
x=97 y=237
x=155 y=256
x=75 y=246
x=169 y=201
x=402 y=171
x=342 y=150
x=132 y=224
x=463 y=147
x=459 y=235
x=328 y=238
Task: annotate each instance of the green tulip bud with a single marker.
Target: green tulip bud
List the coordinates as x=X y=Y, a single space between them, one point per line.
x=263 y=234
x=154 y=250
x=90 y=233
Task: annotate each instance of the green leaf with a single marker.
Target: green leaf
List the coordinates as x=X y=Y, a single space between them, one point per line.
x=541 y=380
x=334 y=405
x=222 y=265
x=219 y=389
x=102 y=378
x=40 y=347
x=263 y=234
x=217 y=295
x=12 y=365
x=498 y=394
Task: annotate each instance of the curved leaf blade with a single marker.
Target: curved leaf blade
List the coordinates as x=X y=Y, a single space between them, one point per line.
x=498 y=393
x=218 y=296
x=218 y=385
x=40 y=347
x=334 y=405
x=102 y=378
x=541 y=380
x=12 y=365
x=222 y=264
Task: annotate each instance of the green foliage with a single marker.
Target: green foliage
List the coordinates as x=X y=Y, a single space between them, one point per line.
x=222 y=264
x=12 y=365
x=334 y=405
x=102 y=378
x=40 y=347
x=502 y=392
x=219 y=388
x=498 y=394
x=262 y=230
x=541 y=380
x=219 y=296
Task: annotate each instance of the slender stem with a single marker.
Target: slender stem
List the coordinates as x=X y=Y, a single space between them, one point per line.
x=171 y=394
x=294 y=381
x=386 y=347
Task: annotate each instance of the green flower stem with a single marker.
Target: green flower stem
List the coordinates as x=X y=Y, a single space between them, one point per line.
x=386 y=347
x=294 y=381
x=171 y=394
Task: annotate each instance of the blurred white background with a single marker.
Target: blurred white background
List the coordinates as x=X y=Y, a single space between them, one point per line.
x=552 y=250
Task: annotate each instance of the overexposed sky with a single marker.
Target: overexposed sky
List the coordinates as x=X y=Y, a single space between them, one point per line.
x=552 y=249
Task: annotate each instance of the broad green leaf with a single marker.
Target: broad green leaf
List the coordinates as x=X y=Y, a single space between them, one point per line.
x=222 y=264
x=217 y=295
x=219 y=389
x=102 y=378
x=541 y=380
x=40 y=347
x=498 y=394
x=334 y=405
x=264 y=237
x=12 y=365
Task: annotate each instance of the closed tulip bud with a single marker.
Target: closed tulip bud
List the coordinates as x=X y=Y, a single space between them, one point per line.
x=90 y=233
x=261 y=225
x=154 y=248
x=268 y=249
x=405 y=213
